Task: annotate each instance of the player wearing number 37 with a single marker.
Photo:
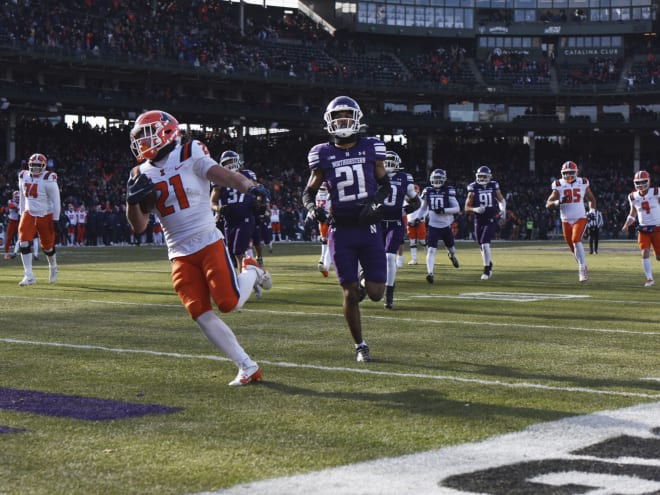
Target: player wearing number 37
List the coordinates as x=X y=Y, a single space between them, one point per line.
x=569 y=194
x=174 y=179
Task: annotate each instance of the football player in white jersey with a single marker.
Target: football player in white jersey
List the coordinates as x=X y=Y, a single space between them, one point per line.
x=40 y=212
x=323 y=201
x=174 y=180
x=569 y=194
x=645 y=209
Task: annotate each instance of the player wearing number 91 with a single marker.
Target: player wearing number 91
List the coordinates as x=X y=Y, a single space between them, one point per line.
x=485 y=200
x=175 y=177
x=353 y=168
x=569 y=194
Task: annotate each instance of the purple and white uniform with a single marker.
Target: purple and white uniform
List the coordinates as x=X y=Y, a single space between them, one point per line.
x=349 y=174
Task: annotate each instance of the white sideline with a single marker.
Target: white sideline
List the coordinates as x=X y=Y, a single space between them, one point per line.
x=284 y=364
x=424 y=473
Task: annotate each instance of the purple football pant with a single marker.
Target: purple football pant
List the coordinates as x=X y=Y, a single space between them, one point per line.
x=348 y=245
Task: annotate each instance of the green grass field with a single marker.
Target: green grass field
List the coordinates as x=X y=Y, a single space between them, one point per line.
x=454 y=362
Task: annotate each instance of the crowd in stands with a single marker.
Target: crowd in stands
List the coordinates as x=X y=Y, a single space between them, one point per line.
x=207 y=36
x=93 y=164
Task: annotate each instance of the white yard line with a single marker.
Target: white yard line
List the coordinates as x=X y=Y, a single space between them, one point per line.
x=334 y=369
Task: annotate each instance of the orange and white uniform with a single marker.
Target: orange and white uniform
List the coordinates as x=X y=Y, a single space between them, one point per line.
x=323 y=201
x=415 y=230
x=72 y=221
x=40 y=206
x=572 y=211
x=647 y=205
x=82 y=224
x=192 y=239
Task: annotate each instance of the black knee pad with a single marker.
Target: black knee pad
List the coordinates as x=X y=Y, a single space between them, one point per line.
x=50 y=253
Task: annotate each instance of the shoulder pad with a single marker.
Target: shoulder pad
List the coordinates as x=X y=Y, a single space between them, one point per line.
x=557 y=183
x=631 y=195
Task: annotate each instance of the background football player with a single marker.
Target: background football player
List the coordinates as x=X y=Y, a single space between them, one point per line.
x=485 y=200
x=645 y=210
x=569 y=194
x=40 y=212
x=439 y=201
x=403 y=189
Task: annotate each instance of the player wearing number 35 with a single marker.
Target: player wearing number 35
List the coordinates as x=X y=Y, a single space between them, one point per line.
x=569 y=194
x=174 y=179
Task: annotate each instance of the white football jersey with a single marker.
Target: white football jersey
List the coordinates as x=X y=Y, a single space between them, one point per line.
x=40 y=194
x=71 y=216
x=82 y=216
x=647 y=206
x=573 y=209
x=323 y=200
x=183 y=195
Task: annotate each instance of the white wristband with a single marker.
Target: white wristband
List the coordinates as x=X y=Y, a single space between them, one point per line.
x=631 y=218
x=556 y=202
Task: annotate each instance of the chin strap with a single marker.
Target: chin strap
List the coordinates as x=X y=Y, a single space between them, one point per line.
x=342 y=141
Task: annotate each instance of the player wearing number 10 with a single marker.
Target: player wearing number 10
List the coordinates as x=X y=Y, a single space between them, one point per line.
x=569 y=194
x=174 y=179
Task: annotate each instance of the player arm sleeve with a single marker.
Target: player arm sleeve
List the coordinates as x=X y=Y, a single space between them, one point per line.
x=54 y=198
x=453 y=207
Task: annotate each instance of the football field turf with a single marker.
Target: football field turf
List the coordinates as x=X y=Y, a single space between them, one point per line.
x=107 y=386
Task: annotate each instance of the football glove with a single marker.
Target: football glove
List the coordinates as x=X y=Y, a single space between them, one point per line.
x=137 y=188
x=564 y=199
x=439 y=209
x=57 y=227
x=371 y=213
x=479 y=209
x=318 y=214
x=259 y=190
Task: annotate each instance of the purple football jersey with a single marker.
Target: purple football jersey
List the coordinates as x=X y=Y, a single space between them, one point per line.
x=349 y=173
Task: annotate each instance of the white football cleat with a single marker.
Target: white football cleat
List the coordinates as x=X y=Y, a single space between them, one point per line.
x=583 y=276
x=52 y=274
x=649 y=283
x=412 y=262
x=246 y=375
x=27 y=281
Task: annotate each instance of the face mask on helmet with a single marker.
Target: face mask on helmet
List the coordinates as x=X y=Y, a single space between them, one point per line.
x=438 y=178
x=569 y=171
x=342 y=117
x=231 y=160
x=642 y=180
x=37 y=163
x=483 y=175
x=153 y=131
x=392 y=162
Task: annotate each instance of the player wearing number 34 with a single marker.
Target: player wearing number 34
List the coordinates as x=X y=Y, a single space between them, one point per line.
x=174 y=179
x=569 y=194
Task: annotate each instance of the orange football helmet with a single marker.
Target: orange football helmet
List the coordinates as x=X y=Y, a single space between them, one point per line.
x=642 y=180
x=153 y=130
x=37 y=163
x=569 y=171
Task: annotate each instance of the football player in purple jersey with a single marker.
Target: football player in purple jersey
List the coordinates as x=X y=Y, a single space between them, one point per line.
x=236 y=208
x=439 y=201
x=403 y=189
x=352 y=166
x=485 y=200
